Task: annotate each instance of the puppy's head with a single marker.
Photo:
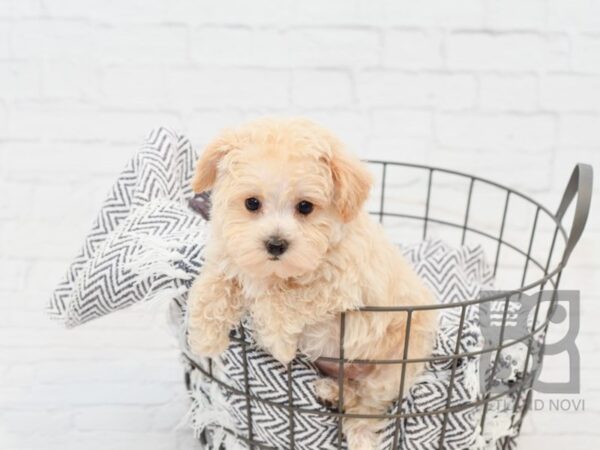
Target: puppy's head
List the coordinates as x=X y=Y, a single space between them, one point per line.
x=281 y=192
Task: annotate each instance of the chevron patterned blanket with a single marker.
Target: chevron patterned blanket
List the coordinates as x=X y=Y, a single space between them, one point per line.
x=147 y=242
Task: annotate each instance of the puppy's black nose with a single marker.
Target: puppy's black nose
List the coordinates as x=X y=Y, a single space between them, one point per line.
x=276 y=246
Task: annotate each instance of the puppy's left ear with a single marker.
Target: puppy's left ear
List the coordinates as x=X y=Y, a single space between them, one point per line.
x=352 y=182
x=208 y=164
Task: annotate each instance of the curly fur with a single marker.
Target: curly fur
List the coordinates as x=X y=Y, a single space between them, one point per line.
x=338 y=260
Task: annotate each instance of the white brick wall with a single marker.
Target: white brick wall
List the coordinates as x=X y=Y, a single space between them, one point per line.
x=507 y=89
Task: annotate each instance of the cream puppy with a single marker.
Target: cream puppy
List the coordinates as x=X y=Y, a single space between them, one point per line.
x=292 y=246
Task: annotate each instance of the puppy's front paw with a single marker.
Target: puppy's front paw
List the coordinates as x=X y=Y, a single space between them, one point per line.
x=282 y=352
x=207 y=341
x=327 y=391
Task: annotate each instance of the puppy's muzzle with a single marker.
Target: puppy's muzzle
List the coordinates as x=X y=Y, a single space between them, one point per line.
x=276 y=246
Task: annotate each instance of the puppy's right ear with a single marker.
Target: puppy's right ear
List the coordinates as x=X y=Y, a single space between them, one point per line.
x=208 y=164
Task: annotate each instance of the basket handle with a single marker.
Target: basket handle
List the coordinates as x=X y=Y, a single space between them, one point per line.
x=580 y=184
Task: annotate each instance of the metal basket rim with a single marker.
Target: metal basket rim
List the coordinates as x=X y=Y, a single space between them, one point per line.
x=548 y=273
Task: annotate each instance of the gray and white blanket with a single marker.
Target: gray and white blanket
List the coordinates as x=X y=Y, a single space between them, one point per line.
x=147 y=242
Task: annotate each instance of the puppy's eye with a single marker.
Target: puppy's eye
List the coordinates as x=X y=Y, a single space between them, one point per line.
x=252 y=204
x=304 y=207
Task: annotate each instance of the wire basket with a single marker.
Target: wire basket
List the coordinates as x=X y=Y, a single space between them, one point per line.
x=528 y=245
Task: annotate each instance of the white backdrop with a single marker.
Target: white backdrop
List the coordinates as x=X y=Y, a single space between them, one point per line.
x=505 y=89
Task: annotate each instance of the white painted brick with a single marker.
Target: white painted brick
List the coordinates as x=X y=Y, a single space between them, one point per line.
x=25 y=239
x=507 y=52
x=40 y=422
x=239 y=46
x=411 y=149
x=162 y=371
x=463 y=13
x=75 y=440
x=500 y=132
x=205 y=88
x=203 y=126
x=85 y=124
x=585 y=54
x=83 y=371
x=232 y=12
x=89 y=394
x=125 y=440
x=321 y=88
x=133 y=339
x=17 y=204
x=28 y=355
x=522 y=170
x=20 y=375
x=351 y=126
x=14 y=274
x=130 y=87
x=112 y=418
x=19 y=80
x=21 y=8
x=156 y=45
x=580 y=130
x=413 y=49
x=516 y=14
x=31 y=122
x=389 y=88
x=129 y=127
x=108 y=10
x=402 y=123
x=337 y=12
x=73 y=80
x=5 y=47
x=580 y=15
x=171 y=415
x=45 y=39
x=46 y=272
x=509 y=92
x=4 y=127
x=334 y=47
x=72 y=8
x=570 y=92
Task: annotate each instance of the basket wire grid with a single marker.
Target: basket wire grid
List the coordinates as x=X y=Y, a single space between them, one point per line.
x=548 y=264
